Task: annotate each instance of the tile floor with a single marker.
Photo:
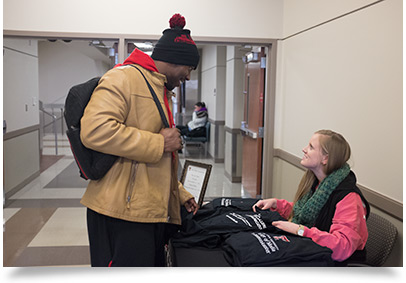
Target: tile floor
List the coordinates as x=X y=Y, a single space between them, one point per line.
x=45 y=224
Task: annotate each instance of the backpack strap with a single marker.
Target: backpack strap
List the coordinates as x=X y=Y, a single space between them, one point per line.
x=157 y=102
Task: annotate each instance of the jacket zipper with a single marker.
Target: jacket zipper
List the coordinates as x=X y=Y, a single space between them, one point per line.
x=168 y=218
x=134 y=166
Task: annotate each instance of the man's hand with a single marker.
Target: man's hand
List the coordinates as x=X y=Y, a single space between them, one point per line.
x=191 y=206
x=172 y=140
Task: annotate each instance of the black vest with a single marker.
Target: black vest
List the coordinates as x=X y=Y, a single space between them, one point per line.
x=325 y=218
x=348 y=185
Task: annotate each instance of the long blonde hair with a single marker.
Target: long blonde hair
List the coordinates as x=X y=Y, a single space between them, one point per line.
x=338 y=150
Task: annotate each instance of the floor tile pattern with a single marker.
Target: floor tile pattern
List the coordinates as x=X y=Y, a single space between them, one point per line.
x=44 y=222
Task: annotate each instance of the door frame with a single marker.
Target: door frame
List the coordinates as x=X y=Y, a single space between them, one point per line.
x=269 y=117
x=270 y=78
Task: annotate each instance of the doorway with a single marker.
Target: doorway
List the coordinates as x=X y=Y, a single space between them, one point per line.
x=252 y=128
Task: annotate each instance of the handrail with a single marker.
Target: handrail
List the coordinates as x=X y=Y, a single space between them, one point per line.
x=54 y=118
x=60 y=106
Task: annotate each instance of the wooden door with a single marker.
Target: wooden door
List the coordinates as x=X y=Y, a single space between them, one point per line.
x=252 y=126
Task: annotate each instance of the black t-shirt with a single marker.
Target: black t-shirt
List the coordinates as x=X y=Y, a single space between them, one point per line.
x=214 y=220
x=271 y=249
x=230 y=224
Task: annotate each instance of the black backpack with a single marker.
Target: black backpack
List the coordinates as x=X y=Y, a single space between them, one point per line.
x=92 y=164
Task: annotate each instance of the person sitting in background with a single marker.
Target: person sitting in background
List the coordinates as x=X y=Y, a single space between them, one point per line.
x=196 y=127
x=328 y=207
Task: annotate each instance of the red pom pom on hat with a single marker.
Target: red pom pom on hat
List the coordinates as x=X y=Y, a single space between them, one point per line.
x=176 y=46
x=177 y=21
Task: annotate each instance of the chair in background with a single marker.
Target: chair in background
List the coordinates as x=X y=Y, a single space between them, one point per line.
x=198 y=140
x=381 y=240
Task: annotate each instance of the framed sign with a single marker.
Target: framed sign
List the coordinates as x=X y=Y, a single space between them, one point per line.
x=195 y=176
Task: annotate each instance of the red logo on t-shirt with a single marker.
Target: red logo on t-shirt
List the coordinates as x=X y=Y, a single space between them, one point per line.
x=185 y=39
x=283 y=238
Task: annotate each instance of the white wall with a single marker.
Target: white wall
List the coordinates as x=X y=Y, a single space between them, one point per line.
x=209 y=75
x=20 y=83
x=213 y=84
x=234 y=113
x=21 y=160
x=346 y=75
x=213 y=68
x=299 y=15
x=234 y=87
x=63 y=65
x=205 y=18
x=20 y=110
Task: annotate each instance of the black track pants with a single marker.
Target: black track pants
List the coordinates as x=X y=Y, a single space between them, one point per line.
x=115 y=242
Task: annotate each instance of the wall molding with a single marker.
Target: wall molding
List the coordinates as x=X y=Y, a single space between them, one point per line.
x=376 y=199
x=233 y=176
x=21 y=52
x=233 y=131
x=217 y=122
x=20 y=132
x=233 y=179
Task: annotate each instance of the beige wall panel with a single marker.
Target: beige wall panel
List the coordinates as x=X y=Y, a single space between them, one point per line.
x=286 y=180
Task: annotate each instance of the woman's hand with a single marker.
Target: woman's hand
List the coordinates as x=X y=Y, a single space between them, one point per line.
x=286 y=226
x=265 y=204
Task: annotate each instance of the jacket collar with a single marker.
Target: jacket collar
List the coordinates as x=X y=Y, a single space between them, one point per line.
x=140 y=58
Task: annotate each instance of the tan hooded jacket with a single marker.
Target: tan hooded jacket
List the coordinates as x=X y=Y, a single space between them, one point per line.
x=122 y=119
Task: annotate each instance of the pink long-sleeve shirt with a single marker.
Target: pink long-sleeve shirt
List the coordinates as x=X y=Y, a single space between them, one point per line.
x=348 y=231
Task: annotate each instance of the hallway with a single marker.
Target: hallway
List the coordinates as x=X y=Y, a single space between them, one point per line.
x=45 y=224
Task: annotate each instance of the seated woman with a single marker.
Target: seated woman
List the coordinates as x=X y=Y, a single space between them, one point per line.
x=328 y=206
x=195 y=127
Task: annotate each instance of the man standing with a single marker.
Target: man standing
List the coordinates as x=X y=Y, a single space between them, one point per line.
x=133 y=205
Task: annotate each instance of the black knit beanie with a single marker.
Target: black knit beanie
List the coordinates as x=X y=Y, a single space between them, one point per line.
x=176 y=46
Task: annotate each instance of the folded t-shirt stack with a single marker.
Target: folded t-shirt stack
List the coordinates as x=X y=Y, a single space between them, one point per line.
x=247 y=238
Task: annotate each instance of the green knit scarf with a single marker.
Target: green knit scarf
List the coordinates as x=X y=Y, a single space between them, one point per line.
x=306 y=210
